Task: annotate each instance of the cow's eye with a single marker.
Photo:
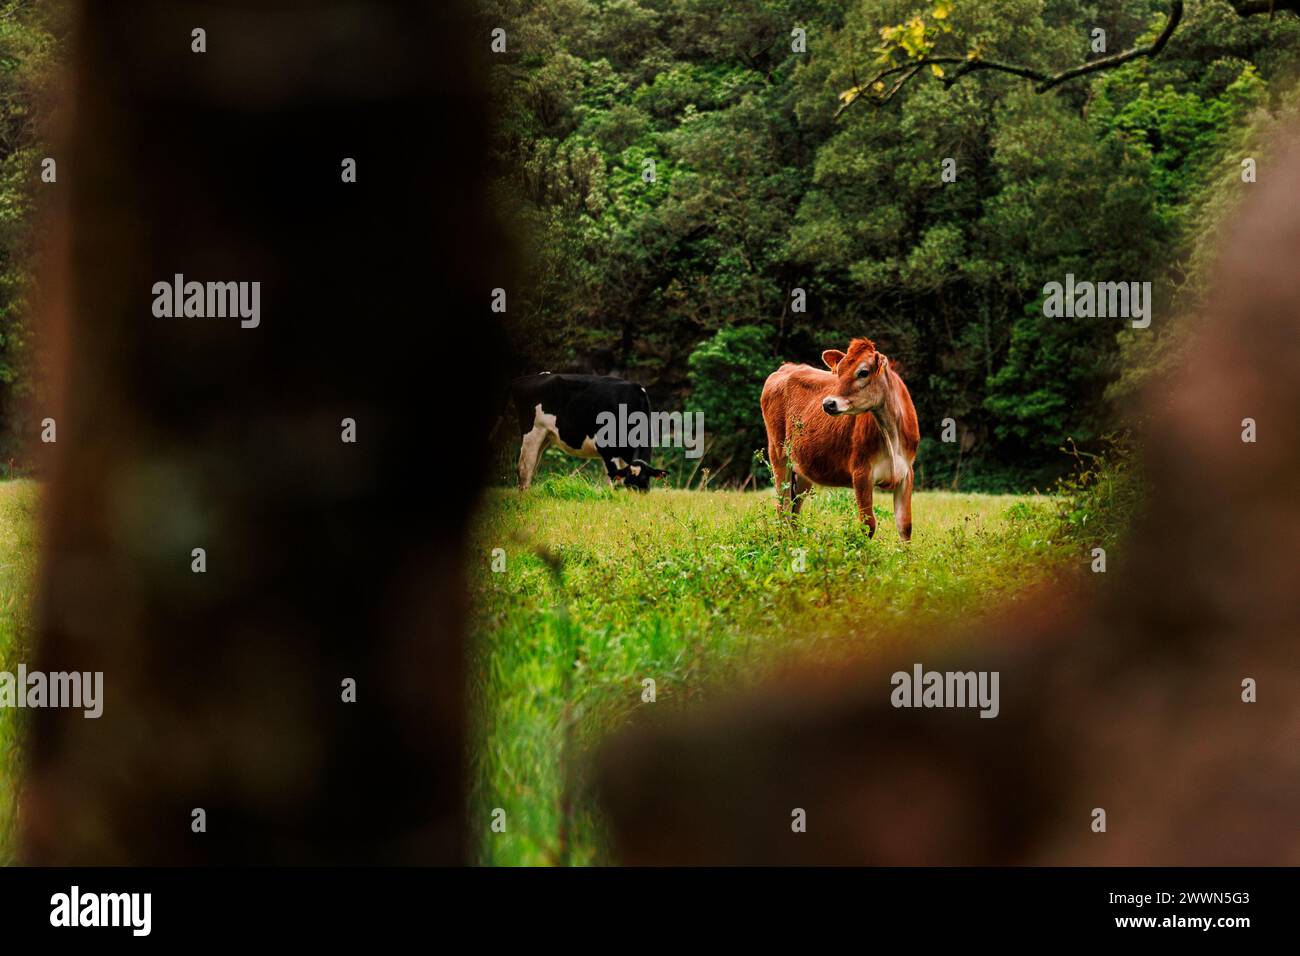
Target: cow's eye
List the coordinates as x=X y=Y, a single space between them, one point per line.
x=863 y=372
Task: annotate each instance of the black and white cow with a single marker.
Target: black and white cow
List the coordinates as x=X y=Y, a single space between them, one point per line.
x=564 y=410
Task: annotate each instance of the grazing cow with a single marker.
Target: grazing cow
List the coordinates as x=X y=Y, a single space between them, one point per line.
x=564 y=410
x=853 y=426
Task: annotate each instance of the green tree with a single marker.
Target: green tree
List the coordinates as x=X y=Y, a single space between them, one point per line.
x=727 y=375
x=759 y=188
x=31 y=41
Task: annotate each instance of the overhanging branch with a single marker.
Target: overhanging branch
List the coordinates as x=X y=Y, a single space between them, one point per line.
x=1110 y=62
x=1045 y=81
x=1249 y=8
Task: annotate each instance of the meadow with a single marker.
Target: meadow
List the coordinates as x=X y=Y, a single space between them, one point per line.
x=595 y=592
x=18 y=533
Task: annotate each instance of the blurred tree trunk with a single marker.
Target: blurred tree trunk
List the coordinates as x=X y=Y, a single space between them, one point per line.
x=325 y=560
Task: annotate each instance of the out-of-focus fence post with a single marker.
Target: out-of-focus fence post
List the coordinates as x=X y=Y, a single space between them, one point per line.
x=324 y=560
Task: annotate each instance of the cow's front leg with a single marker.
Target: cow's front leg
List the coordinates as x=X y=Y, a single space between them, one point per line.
x=612 y=468
x=903 y=507
x=862 y=488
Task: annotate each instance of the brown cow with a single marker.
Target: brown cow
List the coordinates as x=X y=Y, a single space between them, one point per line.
x=831 y=442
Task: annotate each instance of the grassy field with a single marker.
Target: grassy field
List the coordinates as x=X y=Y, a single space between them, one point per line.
x=700 y=592
x=17 y=571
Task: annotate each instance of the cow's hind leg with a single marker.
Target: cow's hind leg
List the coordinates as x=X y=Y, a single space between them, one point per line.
x=530 y=452
x=903 y=507
x=799 y=487
x=776 y=457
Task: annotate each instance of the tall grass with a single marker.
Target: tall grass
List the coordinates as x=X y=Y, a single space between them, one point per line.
x=700 y=592
x=17 y=574
x=603 y=590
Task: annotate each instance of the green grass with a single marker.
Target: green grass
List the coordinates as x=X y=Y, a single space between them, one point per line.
x=603 y=589
x=700 y=592
x=17 y=574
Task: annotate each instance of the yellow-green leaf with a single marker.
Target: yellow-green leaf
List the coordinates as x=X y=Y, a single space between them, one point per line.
x=936 y=69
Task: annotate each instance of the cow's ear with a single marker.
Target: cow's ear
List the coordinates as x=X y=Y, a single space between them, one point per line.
x=832 y=358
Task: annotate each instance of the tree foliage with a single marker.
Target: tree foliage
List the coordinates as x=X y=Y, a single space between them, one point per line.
x=678 y=170
x=30 y=48
x=759 y=189
x=727 y=371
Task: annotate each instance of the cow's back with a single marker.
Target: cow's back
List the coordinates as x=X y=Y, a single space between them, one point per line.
x=821 y=446
x=792 y=391
x=575 y=401
x=527 y=392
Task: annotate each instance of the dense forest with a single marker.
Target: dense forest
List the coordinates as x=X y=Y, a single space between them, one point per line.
x=32 y=39
x=698 y=200
x=701 y=200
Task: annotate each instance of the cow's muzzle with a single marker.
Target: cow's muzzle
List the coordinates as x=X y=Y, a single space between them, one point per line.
x=830 y=406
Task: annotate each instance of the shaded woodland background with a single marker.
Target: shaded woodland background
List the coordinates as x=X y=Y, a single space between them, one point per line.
x=685 y=284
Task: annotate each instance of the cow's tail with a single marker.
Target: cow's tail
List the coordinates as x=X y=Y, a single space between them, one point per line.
x=504 y=414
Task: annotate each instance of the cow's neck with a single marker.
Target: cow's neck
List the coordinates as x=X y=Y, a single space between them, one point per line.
x=887 y=420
